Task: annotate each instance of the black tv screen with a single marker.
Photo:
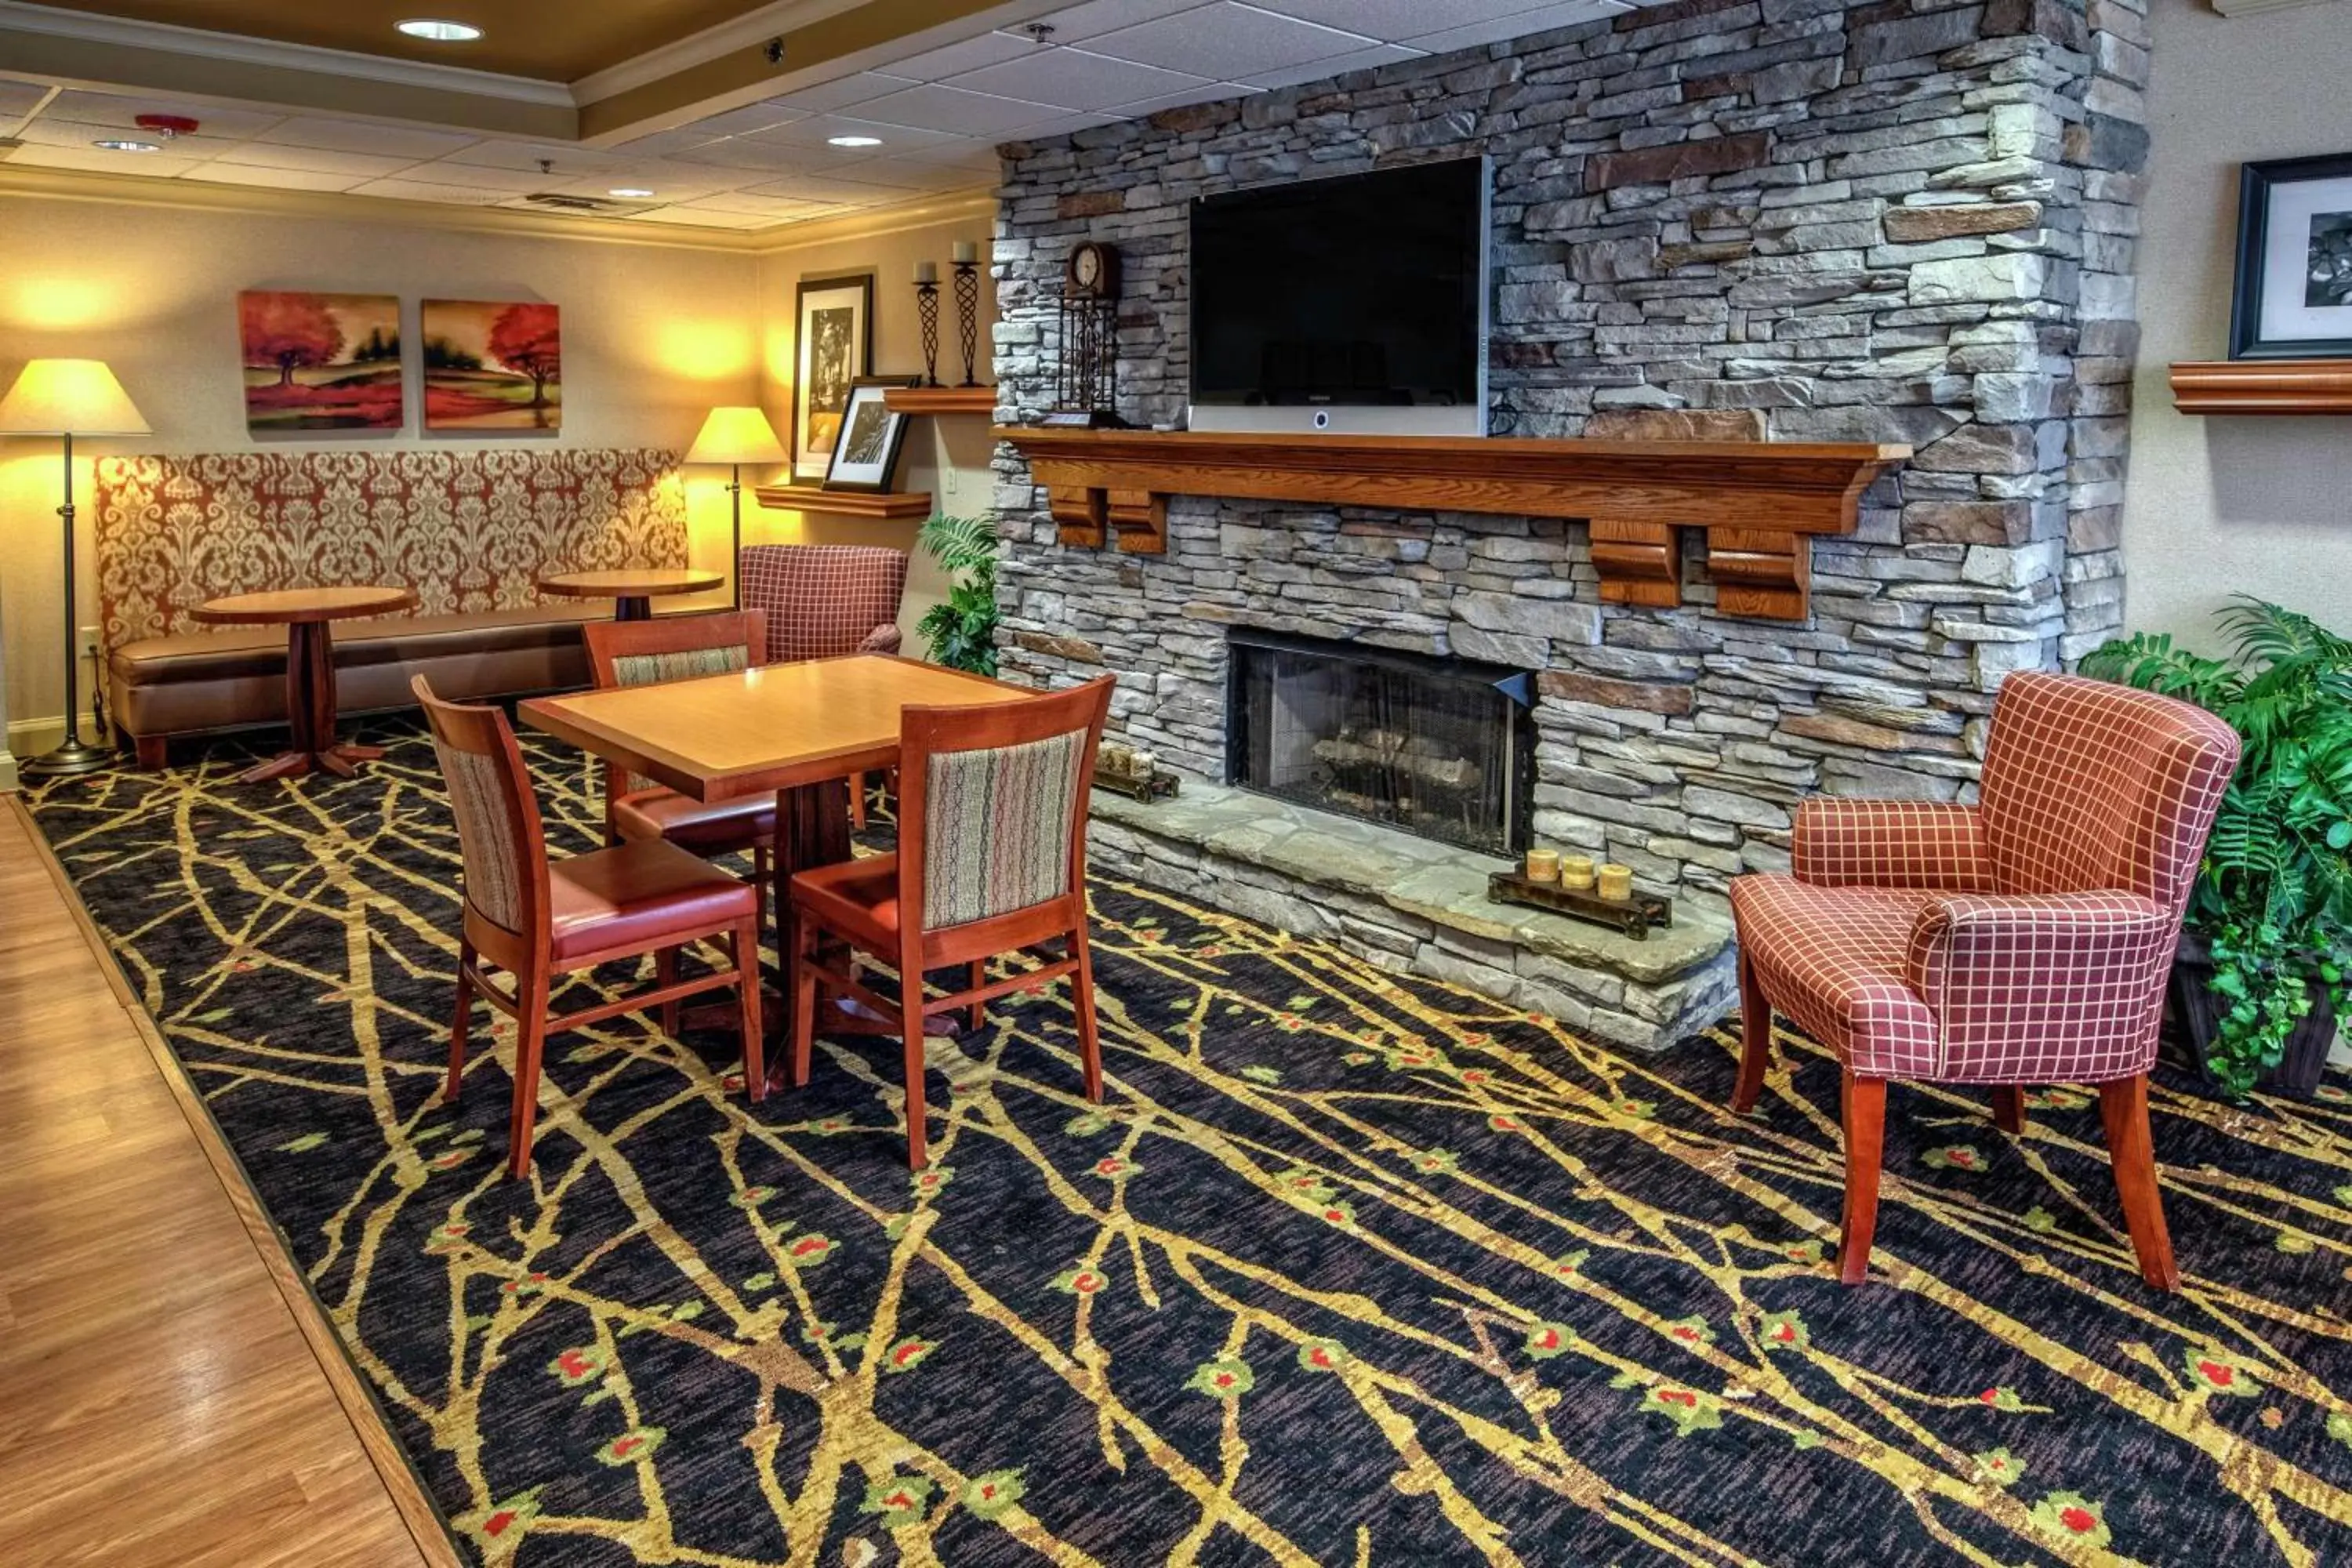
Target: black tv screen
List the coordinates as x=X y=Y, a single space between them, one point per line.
x=1360 y=289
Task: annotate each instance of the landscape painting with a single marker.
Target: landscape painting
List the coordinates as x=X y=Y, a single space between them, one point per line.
x=321 y=362
x=492 y=366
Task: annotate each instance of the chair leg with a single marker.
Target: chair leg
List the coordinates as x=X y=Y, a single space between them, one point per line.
x=976 y=1015
x=760 y=879
x=666 y=974
x=1866 y=1138
x=1082 y=982
x=530 y=1035
x=802 y=938
x=2008 y=1109
x=2123 y=1107
x=1755 y=1038
x=857 y=802
x=744 y=949
x=462 y=1024
x=910 y=1028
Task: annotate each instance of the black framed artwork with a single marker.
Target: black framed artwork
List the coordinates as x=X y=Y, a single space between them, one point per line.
x=835 y=327
x=2294 y=298
x=871 y=433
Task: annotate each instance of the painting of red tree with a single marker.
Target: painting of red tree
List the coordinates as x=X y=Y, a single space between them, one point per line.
x=492 y=365
x=321 y=362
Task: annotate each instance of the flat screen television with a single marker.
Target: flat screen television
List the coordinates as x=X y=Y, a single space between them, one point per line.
x=1352 y=303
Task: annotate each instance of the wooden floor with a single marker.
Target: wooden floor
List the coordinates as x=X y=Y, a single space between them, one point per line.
x=162 y=1400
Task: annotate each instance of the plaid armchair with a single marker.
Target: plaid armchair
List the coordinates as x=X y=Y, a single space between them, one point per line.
x=2022 y=941
x=825 y=600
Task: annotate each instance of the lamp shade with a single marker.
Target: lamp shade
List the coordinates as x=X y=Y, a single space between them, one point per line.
x=736 y=436
x=69 y=397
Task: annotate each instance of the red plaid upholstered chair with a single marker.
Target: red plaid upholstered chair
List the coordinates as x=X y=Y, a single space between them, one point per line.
x=823 y=601
x=679 y=647
x=2022 y=941
x=538 y=921
x=992 y=859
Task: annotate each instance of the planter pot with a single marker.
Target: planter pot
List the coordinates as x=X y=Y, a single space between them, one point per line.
x=2197 y=1010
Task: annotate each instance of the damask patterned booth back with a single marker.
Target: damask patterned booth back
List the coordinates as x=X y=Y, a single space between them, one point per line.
x=469 y=531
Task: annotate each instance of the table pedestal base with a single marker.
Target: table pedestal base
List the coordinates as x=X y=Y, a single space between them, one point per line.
x=342 y=759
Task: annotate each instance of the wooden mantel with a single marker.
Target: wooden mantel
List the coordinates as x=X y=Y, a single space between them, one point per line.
x=1760 y=502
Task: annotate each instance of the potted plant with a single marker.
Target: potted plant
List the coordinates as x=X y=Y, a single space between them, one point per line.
x=961 y=630
x=2258 y=986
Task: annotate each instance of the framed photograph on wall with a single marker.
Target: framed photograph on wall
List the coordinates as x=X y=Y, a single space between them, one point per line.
x=834 y=347
x=2294 y=260
x=867 y=452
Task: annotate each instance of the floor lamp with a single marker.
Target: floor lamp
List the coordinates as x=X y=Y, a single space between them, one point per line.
x=731 y=437
x=69 y=397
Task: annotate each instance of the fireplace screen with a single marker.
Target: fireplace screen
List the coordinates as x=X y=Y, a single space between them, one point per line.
x=1443 y=748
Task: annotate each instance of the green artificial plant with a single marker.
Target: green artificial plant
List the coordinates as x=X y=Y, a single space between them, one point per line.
x=961 y=630
x=2273 y=897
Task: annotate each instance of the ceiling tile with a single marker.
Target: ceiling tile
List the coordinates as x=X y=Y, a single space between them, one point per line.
x=423 y=191
x=123 y=110
x=743 y=121
x=988 y=49
x=818 y=188
x=17 y=100
x=1518 y=25
x=662 y=144
x=906 y=175
x=48 y=131
x=34 y=155
x=818 y=130
x=700 y=217
x=1063 y=125
x=269 y=156
x=935 y=108
x=1096 y=17
x=742 y=202
x=220 y=173
x=481 y=176
x=1338 y=65
x=745 y=153
x=1227 y=41
x=1076 y=78
x=1395 y=19
x=843 y=92
x=363 y=136
x=1214 y=92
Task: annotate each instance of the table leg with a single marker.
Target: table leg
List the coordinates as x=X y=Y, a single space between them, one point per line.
x=632 y=607
x=310 y=711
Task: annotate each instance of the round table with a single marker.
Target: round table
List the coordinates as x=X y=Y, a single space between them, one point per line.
x=632 y=589
x=306 y=614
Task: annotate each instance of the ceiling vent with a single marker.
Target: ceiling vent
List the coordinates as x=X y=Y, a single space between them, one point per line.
x=586 y=207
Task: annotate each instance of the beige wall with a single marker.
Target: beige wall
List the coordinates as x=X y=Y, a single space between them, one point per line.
x=948 y=457
x=2218 y=506
x=654 y=336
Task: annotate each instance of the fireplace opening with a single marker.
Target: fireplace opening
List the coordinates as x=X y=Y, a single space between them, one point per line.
x=1441 y=747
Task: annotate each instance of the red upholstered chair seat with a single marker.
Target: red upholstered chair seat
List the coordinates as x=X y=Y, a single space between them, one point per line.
x=857 y=897
x=2023 y=940
x=706 y=827
x=636 y=895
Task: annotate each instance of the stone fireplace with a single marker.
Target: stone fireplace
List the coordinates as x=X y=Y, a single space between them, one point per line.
x=1906 y=221
x=1439 y=747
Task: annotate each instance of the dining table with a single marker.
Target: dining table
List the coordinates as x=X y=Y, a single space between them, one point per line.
x=799 y=732
x=308 y=614
x=632 y=589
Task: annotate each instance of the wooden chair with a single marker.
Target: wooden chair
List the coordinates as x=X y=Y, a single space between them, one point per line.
x=536 y=920
x=992 y=859
x=679 y=647
x=2020 y=940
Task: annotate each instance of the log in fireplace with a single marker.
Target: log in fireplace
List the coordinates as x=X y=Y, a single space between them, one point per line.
x=1441 y=747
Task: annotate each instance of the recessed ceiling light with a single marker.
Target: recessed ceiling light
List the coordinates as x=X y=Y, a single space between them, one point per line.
x=628 y=191
x=440 y=32
x=124 y=146
x=855 y=141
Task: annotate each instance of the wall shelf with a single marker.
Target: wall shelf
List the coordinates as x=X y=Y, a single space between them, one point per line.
x=979 y=400
x=2263 y=386
x=1760 y=502
x=884 y=505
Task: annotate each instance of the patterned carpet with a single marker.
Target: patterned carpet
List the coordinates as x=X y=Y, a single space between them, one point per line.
x=1349 y=1270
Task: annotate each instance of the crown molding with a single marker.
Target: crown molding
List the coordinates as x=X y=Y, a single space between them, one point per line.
x=747 y=31
x=334 y=206
x=124 y=32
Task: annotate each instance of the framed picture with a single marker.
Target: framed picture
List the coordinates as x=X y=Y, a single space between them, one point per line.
x=492 y=364
x=321 y=362
x=2295 y=261
x=836 y=347
x=871 y=434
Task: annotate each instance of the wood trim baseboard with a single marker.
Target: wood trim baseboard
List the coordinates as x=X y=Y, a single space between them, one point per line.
x=418 y=1511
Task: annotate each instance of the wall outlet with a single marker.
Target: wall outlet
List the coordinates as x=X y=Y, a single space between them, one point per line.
x=89 y=642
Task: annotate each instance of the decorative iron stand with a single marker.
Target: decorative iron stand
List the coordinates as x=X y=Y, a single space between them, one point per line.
x=927 y=309
x=967 y=297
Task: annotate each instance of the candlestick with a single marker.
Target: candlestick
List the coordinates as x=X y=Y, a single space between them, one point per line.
x=967 y=293
x=927 y=271
x=927 y=310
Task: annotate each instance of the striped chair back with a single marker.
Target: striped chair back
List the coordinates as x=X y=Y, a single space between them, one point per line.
x=993 y=804
x=673 y=648
x=498 y=832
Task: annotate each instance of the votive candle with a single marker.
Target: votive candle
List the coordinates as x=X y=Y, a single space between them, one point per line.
x=1616 y=883
x=1543 y=865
